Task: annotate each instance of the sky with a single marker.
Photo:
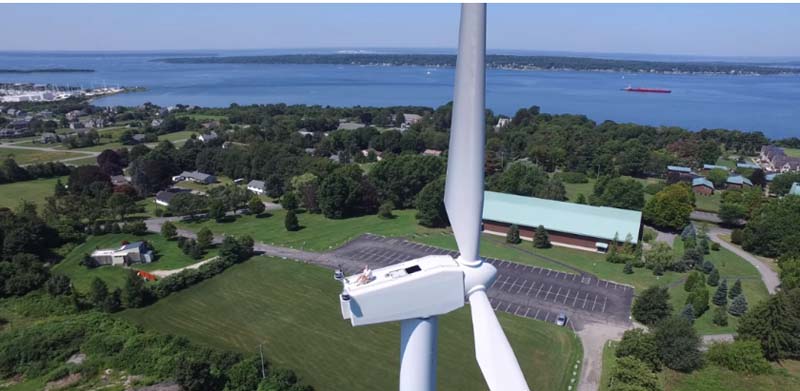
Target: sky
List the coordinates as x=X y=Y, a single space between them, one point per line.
x=740 y=30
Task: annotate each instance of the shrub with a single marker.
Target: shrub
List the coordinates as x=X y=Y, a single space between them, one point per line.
x=137 y=228
x=714 y=246
x=628 y=268
x=738 y=306
x=641 y=345
x=736 y=289
x=739 y=356
x=513 y=234
x=720 y=317
x=652 y=305
x=290 y=221
x=688 y=313
x=698 y=298
x=721 y=294
x=649 y=235
x=713 y=278
x=653 y=188
x=540 y=238
x=632 y=374
x=678 y=344
x=695 y=279
x=385 y=210
x=737 y=236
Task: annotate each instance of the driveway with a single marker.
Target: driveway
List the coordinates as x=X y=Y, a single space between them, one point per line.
x=594 y=337
x=769 y=276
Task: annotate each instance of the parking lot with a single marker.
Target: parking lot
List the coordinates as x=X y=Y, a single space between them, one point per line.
x=522 y=290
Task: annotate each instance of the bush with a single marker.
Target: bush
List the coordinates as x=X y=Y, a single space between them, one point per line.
x=649 y=235
x=632 y=374
x=695 y=279
x=713 y=278
x=698 y=298
x=738 y=306
x=714 y=246
x=513 y=234
x=720 y=317
x=571 y=177
x=678 y=344
x=628 y=268
x=739 y=356
x=290 y=222
x=652 y=305
x=653 y=188
x=737 y=236
x=386 y=209
x=540 y=238
x=641 y=345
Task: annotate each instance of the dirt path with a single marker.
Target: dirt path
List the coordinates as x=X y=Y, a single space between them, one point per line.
x=164 y=273
x=594 y=337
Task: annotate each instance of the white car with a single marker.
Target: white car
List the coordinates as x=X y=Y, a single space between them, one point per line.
x=561 y=320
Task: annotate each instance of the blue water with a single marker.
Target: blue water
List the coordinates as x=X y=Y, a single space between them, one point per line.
x=754 y=103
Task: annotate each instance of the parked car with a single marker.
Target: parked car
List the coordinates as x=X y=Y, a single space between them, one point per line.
x=561 y=320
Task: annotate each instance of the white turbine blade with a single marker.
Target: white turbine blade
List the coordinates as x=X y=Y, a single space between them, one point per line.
x=495 y=357
x=463 y=195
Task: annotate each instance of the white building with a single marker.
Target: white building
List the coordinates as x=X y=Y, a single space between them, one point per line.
x=258 y=187
x=136 y=252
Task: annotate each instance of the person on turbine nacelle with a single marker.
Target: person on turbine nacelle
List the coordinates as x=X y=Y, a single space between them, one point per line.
x=365 y=276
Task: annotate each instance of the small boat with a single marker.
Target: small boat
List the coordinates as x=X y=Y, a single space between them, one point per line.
x=640 y=89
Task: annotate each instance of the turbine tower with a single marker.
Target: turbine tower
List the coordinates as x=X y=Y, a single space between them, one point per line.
x=417 y=291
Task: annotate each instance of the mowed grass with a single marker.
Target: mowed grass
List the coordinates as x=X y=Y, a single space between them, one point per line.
x=293 y=309
x=792 y=152
x=11 y=194
x=168 y=256
x=609 y=363
x=30 y=156
x=318 y=233
x=714 y=378
x=708 y=203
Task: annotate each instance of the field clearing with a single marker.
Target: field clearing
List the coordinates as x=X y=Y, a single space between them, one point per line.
x=292 y=308
x=792 y=152
x=708 y=203
x=30 y=156
x=168 y=256
x=32 y=191
x=713 y=378
x=573 y=189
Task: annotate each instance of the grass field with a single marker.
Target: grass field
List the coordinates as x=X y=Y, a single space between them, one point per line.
x=292 y=308
x=89 y=161
x=573 y=189
x=168 y=256
x=792 y=152
x=713 y=378
x=609 y=363
x=32 y=191
x=708 y=203
x=29 y=156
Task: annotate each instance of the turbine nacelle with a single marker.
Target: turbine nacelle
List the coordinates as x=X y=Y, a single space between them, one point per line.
x=419 y=288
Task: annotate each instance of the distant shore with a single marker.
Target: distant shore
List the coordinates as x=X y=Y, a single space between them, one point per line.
x=47 y=70
x=493 y=61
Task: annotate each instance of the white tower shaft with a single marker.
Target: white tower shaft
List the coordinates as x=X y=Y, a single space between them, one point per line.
x=418 y=354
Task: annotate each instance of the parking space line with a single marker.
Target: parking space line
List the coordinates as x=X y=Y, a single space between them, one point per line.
x=528 y=293
x=508 y=306
x=522 y=286
x=517 y=311
x=548 y=272
x=595 y=302
x=578 y=293
x=548 y=292
x=556 y=296
x=512 y=284
x=526 y=311
x=539 y=291
x=605 y=299
x=606 y=284
x=537 y=313
x=566 y=297
x=540 y=270
x=585 y=300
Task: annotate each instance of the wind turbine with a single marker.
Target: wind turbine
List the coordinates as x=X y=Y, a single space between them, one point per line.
x=417 y=291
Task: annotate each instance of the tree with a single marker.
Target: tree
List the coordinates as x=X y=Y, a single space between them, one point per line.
x=789 y=272
x=134 y=293
x=628 y=268
x=83 y=177
x=513 y=234
x=255 y=206
x=58 y=284
x=401 y=178
x=540 y=238
x=698 y=298
x=98 y=292
x=732 y=214
x=187 y=204
x=771 y=229
x=169 y=231
x=110 y=162
x=204 y=238
x=736 y=289
x=688 y=312
x=693 y=281
x=306 y=186
x=641 y=345
x=721 y=294
x=430 y=205
x=290 y=222
x=194 y=375
x=244 y=375
x=289 y=201
x=718 y=177
x=652 y=305
x=113 y=302
x=216 y=210
x=346 y=192
x=738 y=306
x=385 y=210
x=707 y=267
x=678 y=344
x=632 y=374
x=581 y=199
x=618 y=192
x=720 y=316
x=660 y=255
x=770 y=322
x=781 y=184
x=670 y=208
x=713 y=278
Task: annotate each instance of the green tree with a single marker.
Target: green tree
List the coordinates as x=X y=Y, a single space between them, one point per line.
x=216 y=210
x=670 y=208
x=641 y=345
x=618 y=192
x=661 y=255
x=721 y=294
x=789 y=272
x=632 y=374
x=713 y=278
x=204 y=238
x=289 y=201
x=255 y=206
x=698 y=298
x=738 y=306
x=581 y=199
x=628 y=268
x=513 y=234
x=694 y=280
x=430 y=205
x=113 y=302
x=306 y=186
x=678 y=344
x=58 y=284
x=290 y=222
x=244 y=375
x=652 y=305
x=732 y=214
x=194 y=375
x=736 y=289
x=720 y=316
x=718 y=177
x=169 y=231
x=540 y=238
x=134 y=293
x=121 y=204
x=98 y=292
x=770 y=322
x=688 y=312
x=771 y=230
x=385 y=210
x=782 y=183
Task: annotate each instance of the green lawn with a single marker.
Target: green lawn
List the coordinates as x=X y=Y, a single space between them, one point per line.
x=292 y=308
x=730 y=163
x=713 y=378
x=573 y=189
x=89 y=161
x=609 y=363
x=168 y=256
x=33 y=191
x=792 y=152
x=708 y=203
x=29 y=156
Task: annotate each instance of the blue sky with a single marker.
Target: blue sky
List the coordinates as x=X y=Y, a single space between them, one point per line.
x=692 y=29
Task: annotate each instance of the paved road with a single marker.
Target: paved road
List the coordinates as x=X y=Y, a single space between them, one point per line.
x=769 y=276
x=705 y=216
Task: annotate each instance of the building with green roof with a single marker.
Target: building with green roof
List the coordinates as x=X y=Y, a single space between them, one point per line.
x=568 y=224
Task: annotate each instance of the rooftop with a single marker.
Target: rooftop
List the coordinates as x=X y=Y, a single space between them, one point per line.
x=739 y=180
x=714 y=167
x=679 y=169
x=795 y=189
x=702 y=182
x=594 y=221
x=747 y=165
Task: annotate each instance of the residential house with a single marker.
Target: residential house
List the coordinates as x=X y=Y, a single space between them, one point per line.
x=679 y=174
x=164 y=197
x=775 y=159
x=156 y=122
x=256 y=186
x=350 y=126
x=76 y=125
x=747 y=165
x=502 y=122
x=702 y=186
x=211 y=125
x=48 y=137
x=139 y=137
x=208 y=137
x=119 y=180
x=303 y=132
x=583 y=227
x=195 y=176
x=127 y=254
x=709 y=167
x=737 y=182
x=73 y=115
x=432 y=152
